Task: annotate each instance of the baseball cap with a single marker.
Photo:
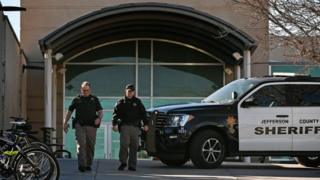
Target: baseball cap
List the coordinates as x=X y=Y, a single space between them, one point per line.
x=130 y=86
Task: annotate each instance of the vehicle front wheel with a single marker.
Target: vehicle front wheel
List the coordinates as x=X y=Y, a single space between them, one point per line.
x=309 y=161
x=174 y=163
x=207 y=150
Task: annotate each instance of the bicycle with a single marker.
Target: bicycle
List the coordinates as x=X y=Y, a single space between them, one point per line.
x=23 y=162
x=22 y=129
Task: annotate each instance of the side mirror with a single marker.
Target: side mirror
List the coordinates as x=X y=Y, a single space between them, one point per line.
x=248 y=102
x=234 y=95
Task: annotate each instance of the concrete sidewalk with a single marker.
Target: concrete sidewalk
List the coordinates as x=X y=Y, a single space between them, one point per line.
x=147 y=169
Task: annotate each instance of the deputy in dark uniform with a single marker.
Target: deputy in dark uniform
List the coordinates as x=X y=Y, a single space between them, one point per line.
x=88 y=118
x=128 y=115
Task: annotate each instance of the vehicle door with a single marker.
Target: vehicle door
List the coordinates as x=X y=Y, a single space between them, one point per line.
x=264 y=116
x=306 y=116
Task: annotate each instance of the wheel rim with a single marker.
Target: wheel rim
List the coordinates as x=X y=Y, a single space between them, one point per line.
x=45 y=166
x=211 y=150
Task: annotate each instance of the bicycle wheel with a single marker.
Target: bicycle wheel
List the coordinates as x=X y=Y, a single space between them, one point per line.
x=45 y=165
x=41 y=145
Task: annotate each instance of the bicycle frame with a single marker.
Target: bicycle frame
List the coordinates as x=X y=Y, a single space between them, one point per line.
x=14 y=145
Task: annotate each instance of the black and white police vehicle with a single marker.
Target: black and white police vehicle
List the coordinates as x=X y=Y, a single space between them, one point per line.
x=267 y=116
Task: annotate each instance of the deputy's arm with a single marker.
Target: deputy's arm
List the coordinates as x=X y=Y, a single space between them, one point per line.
x=71 y=108
x=115 y=117
x=99 y=118
x=99 y=110
x=66 y=119
x=144 y=116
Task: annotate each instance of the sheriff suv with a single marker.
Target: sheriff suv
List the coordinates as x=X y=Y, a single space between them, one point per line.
x=267 y=116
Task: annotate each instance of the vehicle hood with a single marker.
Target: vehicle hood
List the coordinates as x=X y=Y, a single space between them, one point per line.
x=187 y=107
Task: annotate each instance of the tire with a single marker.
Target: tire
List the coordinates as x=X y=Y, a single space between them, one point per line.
x=174 y=163
x=207 y=150
x=41 y=145
x=309 y=161
x=48 y=166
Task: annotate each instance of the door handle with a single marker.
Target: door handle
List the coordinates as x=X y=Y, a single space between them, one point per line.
x=282 y=116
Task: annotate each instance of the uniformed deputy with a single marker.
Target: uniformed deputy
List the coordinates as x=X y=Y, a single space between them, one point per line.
x=88 y=118
x=128 y=115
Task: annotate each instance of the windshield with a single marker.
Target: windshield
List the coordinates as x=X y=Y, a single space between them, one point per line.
x=226 y=95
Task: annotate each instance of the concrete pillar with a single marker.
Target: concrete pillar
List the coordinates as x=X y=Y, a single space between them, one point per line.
x=238 y=71
x=247 y=63
x=2 y=69
x=48 y=88
x=63 y=74
x=247 y=74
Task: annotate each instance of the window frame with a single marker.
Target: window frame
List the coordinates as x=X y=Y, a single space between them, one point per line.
x=299 y=105
x=274 y=83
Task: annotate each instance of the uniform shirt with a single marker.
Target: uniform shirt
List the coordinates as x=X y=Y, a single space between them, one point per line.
x=86 y=109
x=129 y=112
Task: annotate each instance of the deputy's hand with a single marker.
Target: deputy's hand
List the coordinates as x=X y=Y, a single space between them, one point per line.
x=65 y=127
x=97 y=121
x=146 y=128
x=115 y=128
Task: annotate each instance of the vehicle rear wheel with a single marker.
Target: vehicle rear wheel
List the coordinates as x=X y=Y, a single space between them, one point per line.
x=174 y=163
x=309 y=161
x=207 y=150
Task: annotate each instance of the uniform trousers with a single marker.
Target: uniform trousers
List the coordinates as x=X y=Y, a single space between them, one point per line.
x=86 y=140
x=129 y=144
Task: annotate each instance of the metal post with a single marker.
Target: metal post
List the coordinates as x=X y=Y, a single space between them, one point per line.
x=152 y=75
x=48 y=88
x=107 y=140
x=63 y=72
x=247 y=63
x=137 y=69
x=54 y=104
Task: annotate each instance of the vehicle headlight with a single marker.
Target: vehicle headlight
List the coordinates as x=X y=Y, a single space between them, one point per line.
x=179 y=119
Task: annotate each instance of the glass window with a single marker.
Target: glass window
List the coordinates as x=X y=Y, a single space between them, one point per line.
x=165 y=52
x=144 y=80
x=123 y=52
x=144 y=51
x=105 y=80
x=108 y=103
x=187 y=81
x=313 y=71
x=224 y=95
x=146 y=102
x=304 y=95
x=270 y=96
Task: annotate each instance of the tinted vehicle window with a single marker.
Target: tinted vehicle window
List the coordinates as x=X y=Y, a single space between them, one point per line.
x=304 y=95
x=270 y=96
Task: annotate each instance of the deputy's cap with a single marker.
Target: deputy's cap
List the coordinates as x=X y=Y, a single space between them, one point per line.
x=130 y=86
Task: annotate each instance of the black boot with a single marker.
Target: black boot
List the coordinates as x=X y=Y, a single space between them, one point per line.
x=82 y=169
x=121 y=167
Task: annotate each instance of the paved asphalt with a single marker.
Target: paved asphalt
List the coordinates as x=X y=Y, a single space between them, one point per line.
x=155 y=170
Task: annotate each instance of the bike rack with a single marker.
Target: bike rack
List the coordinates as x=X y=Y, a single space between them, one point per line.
x=47 y=140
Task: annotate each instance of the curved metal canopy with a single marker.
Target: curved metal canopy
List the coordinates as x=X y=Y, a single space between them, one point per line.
x=149 y=20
